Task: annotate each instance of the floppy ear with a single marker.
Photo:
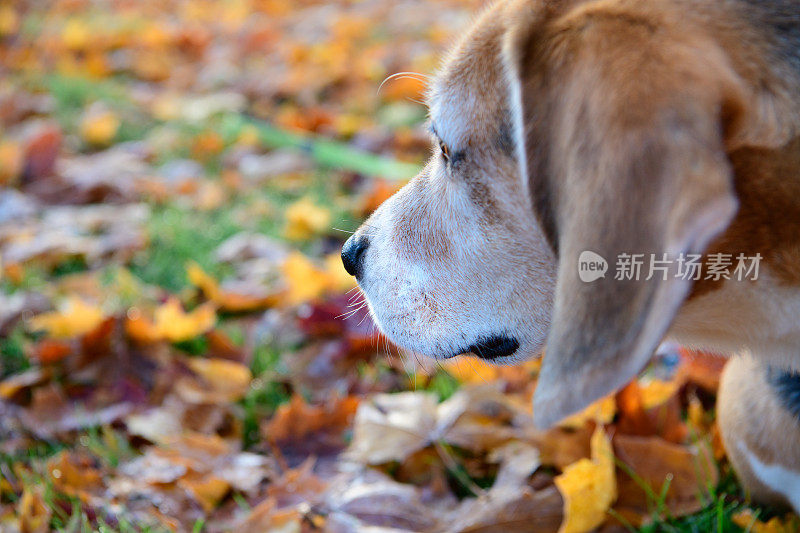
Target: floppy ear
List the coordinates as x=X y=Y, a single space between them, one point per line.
x=624 y=155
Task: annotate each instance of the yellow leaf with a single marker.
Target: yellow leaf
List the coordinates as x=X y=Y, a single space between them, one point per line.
x=170 y=322
x=100 y=128
x=470 y=370
x=304 y=219
x=76 y=35
x=208 y=490
x=176 y=325
x=657 y=391
x=9 y=20
x=748 y=521
x=305 y=280
x=230 y=301
x=602 y=411
x=589 y=487
x=75 y=318
x=200 y=278
x=34 y=514
x=228 y=380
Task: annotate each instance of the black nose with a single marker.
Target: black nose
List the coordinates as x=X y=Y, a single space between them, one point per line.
x=353 y=254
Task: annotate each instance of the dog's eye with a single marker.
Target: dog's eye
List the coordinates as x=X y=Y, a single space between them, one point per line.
x=445 y=151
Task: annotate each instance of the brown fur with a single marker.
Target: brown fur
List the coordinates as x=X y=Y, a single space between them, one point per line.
x=749 y=413
x=647 y=127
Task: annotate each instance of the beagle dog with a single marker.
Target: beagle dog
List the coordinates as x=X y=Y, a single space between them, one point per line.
x=575 y=139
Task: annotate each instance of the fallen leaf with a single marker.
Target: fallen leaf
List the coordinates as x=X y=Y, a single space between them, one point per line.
x=228 y=300
x=304 y=219
x=41 y=151
x=701 y=368
x=305 y=280
x=748 y=521
x=688 y=470
x=99 y=126
x=589 y=487
x=76 y=317
x=171 y=322
x=73 y=474
x=602 y=411
x=34 y=514
x=11 y=155
x=207 y=489
x=223 y=381
x=297 y=419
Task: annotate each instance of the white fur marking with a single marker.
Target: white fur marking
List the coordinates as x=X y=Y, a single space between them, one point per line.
x=779 y=479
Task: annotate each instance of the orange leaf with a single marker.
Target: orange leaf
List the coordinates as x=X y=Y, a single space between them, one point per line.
x=171 y=323
x=297 y=419
x=48 y=351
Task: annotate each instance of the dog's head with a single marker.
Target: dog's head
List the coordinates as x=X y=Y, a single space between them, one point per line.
x=557 y=131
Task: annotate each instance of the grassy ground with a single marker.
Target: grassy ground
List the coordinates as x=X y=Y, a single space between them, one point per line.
x=228 y=120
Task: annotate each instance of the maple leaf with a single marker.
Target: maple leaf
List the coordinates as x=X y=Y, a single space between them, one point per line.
x=589 y=487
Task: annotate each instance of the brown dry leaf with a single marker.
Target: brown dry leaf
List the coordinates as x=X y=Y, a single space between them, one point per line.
x=76 y=317
x=207 y=489
x=73 y=474
x=297 y=419
x=304 y=219
x=646 y=409
x=701 y=368
x=372 y=499
x=390 y=427
x=511 y=504
x=690 y=471
x=589 y=487
x=234 y=302
x=267 y=517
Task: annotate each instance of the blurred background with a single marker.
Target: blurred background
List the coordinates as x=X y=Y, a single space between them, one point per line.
x=180 y=348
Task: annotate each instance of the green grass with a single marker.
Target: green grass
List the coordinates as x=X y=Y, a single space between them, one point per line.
x=177 y=236
x=265 y=395
x=12 y=353
x=721 y=504
x=443 y=384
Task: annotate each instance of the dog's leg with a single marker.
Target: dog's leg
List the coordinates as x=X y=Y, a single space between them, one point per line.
x=759 y=418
